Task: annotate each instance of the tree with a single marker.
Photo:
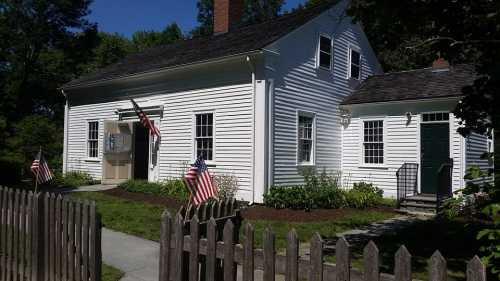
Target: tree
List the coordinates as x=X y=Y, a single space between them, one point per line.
x=146 y=39
x=111 y=48
x=255 y=11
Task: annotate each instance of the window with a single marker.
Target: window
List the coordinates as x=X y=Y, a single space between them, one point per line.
x=93 y=139
x=325 y=52
x=355 y=64
x=436 y=117
x=204 y=140
x=373 y=142
x=305 y=139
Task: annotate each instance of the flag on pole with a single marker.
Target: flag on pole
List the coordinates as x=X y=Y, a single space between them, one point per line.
x=41 y=170
x=153 y=130
x=199 y=182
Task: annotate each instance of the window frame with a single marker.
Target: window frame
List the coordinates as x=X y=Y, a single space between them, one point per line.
x=318 y=53
x=363 y=163
x=312 y=161
x=195 y=138
x=422 y=114
x=88 y=140
x=349 y=62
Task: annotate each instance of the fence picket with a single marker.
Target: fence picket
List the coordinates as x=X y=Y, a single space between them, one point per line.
x=36 y=242
x=211 y=248
x=343 y=260
x=179 y=246
x=3 y=232
x=317 y=258
x=94 y=247
x=229 y=268
x=8 y=265
x=71 y=241
x=402 y=266
x=78 y=242
x=46 y=234
x=371 y=262
x=57 y=244
x=52 y=236
x=22 y=235
x=166 y=229
x=194 y=249
x=64 y=239
x=29 y=234
x=15 y=230
x=437 y=269
x=476 y=270
x=85 y=241
x=248 y=259
x=269 y=255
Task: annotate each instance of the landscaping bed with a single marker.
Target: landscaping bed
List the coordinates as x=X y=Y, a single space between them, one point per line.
x=259 y=212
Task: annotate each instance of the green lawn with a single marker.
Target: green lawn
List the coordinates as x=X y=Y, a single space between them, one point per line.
x=132 y=217
x=326 y=228
x=110 y=273
x=455 y=240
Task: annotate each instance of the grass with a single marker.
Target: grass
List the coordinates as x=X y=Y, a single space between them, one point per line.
x=110 y=273
x=326 y=228
x=454 y=239
x=132 y=217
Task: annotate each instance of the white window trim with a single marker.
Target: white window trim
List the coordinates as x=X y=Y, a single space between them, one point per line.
x=193 y=137
x=318 y=51
x=435 y=122
x=362 y=163
x=349 y=65
x=313 y=148
x=87 y=157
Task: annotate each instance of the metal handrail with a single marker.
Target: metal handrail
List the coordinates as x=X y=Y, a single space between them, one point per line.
x=407 y=181
x=444 y=190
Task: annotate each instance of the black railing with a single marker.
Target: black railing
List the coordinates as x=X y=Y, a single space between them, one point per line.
x=444 y=190
x=407 y=181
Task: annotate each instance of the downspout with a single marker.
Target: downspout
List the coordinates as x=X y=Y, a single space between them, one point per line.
x=251 y=64
x=66 y=126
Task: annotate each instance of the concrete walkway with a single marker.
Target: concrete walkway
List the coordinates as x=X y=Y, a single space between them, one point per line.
x=137 y=257
x=88 y=188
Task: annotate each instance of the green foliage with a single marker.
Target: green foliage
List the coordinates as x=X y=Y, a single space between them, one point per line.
x=146 y=39
x=491 y=239
x=73 y=179
x=322 y=192
x=227 y=186
x=168 y=188
x=110 y=273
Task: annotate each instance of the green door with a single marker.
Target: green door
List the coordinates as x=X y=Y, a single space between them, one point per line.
x=435 y=150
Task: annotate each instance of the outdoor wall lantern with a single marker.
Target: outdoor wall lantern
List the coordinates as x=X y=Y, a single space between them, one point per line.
x=408 y=118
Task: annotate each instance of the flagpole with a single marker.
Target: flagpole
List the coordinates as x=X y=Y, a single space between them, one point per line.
x=38 y=170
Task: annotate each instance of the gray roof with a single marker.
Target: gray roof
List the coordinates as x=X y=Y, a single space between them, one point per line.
x=240 y=41
x=413 y=85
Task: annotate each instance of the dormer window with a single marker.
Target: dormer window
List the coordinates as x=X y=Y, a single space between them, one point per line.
x=354 y=64
x=325 y=52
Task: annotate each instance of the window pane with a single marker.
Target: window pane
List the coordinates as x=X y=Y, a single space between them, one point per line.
x=204 y=135
x=355 y=71
x=325 y=44
x=373 y=142
x=324 y=60
x=355 y=57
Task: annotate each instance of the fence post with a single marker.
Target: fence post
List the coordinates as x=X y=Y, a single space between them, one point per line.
x=402 y=266
x=343 y=256
x=371 y=262
x=229 y=267
x=166 y=228
x=269 y=255
x=476 y=270
x=248 y=261
x=317 y=258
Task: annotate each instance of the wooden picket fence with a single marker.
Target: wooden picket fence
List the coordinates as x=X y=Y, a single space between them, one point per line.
x=48 y=237
x=174 y=243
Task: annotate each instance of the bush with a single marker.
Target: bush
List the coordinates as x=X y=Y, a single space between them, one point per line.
x=362 y=195
x=168 y=188
x=11 y=171
x=226 y=185
x=73 y=179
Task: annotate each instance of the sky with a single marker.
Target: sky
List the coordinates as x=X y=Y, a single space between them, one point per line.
x=127 y=16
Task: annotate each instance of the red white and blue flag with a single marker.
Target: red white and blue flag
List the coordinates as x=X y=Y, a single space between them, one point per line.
x=41 y=170
x=153 y=130
x=199 y=182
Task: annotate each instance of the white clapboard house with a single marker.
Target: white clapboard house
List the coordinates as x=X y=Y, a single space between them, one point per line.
x=265 y=100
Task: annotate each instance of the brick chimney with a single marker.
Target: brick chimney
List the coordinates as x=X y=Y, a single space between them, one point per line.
x=227 y=15
x=440 y=64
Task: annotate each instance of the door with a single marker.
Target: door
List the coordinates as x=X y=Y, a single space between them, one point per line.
x=435 y=150
x=117 y=162
x=141 y=151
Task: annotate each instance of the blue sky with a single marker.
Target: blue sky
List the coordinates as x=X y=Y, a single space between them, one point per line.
x=127 y=16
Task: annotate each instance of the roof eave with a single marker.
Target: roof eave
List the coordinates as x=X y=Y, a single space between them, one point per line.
x=431 y=99
x=69 y=86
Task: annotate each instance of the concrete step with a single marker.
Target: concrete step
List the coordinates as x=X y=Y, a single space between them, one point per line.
x=428 y=207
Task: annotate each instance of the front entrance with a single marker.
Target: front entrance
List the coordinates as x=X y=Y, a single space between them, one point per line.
x=141 y=151
x=435 y=150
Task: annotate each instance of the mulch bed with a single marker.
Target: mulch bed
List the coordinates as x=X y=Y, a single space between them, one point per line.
x=259 y=212
x=170 y=202
x=255 y=212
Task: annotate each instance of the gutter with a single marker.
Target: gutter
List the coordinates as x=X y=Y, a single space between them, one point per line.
x=450 y=98
x=163 y=69
x=251 y=65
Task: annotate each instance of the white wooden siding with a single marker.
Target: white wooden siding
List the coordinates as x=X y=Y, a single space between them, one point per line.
x=477 y=145
x=301 y=86
x=232 y=107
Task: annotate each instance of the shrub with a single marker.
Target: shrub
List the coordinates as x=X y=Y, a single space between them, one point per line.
x=168 y=188
x=11 y=171
x=294 y=197
x=226 y=185
x=73 y=179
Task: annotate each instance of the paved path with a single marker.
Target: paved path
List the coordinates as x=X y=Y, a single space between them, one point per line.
x=87 y=188
x=135 y=256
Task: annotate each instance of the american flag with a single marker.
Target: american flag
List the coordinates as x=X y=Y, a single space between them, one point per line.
x=41 y=170
x=199 y=182
x=153 y=130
